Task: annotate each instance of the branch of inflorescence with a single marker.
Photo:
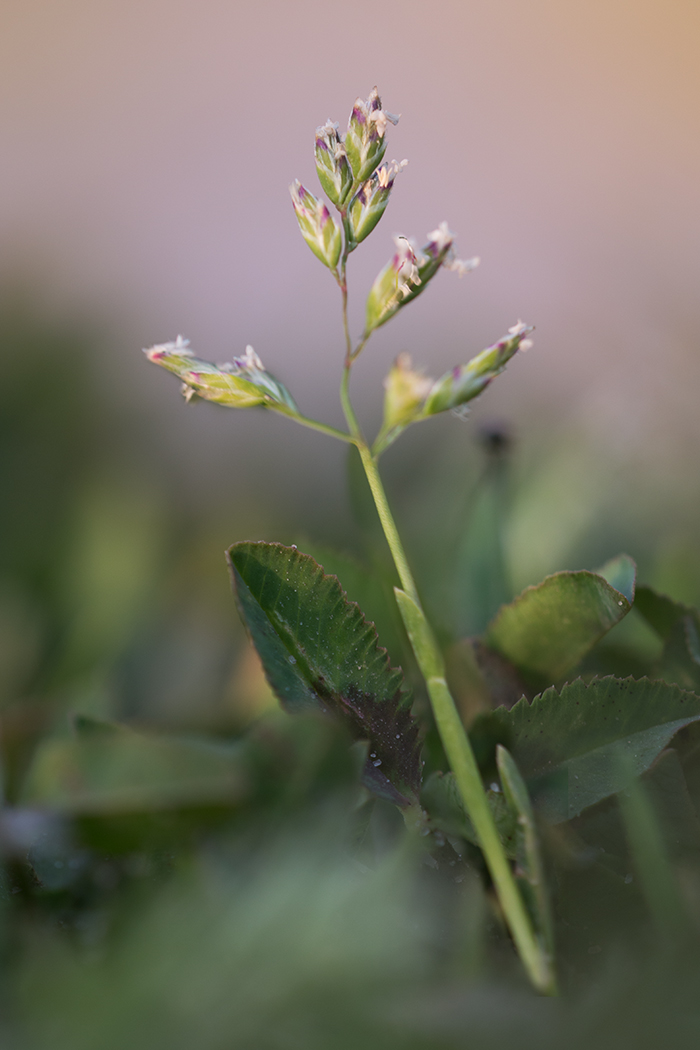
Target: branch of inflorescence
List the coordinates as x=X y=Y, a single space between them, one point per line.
x=534 y=955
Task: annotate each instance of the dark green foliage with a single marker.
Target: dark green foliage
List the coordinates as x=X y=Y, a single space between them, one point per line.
x=319 y=652
x=265 y=945
x=647 y=844
x=660 y=611
x=441 y=798
x=679 y=627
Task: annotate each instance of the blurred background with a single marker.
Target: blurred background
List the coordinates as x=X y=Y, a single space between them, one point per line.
x=148 y=147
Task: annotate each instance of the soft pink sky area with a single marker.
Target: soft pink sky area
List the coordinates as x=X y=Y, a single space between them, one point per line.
x=148 y=146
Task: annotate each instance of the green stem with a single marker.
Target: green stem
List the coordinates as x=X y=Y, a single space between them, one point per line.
x=314 y=424
x=355 y=432
x=346 y=328
x=457 y=746
x=385 y=438
x=388 y=523
x=345 y=401
x=359 y=348
x=466 y=771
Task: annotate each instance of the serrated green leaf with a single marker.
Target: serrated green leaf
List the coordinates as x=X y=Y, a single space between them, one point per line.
x=372 y=589
x=549 y=628
x=112 y=769
x=318 y=651
x=580 y=745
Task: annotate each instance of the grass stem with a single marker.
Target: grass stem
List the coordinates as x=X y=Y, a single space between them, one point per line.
x=460 y=754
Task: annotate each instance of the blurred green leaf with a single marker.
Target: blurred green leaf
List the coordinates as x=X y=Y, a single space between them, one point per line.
x=666 y=784
x=126 y=791
x=288 y=945
x=569 y=744
x=87 y=726
x=296 y=761
x=480 y=578
x=651 y=859
x=52 y=424
x=20 y=641
x=112 y=769
x=108 y=573
x=549 y=628
x=318 y=651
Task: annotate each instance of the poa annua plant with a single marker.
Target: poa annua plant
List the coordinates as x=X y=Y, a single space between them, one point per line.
x=358 y=183
x=563 y=745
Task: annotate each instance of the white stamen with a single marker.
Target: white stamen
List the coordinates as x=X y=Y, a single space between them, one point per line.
x=250 y=360
x=518 y=329
x=407 y=271
x=462 y=266
x=389 y=171
x=179 y=346
x=383 y=176
x=327 y=130
x=378 y=117
x=441 y=238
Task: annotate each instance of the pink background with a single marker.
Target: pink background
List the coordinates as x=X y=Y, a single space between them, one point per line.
x=148 y=147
